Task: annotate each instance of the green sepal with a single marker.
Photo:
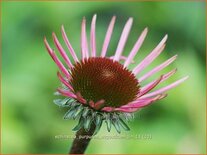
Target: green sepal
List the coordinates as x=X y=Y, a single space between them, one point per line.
x=128 y=116
x=70 y=113
x=87 y=123
x=78 y=112
x=108 y=123
x=124 y=125
x=79 y=125
x=116 y=125
x=87 y=116
x=85 y=112
x=98 y=123
x=61 y=102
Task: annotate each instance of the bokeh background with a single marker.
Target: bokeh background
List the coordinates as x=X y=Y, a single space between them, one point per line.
x=30 y=120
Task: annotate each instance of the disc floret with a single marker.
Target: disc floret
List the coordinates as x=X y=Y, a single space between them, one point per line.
x=104 y=79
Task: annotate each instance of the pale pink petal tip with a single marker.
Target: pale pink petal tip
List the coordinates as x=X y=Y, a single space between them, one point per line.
x=158 y=68
x=84 y=42
x=151 y=57
x=123 y=39
x=166 y=88
x=93 y=36
x=136 y=47
x=69 y=46
x=108 y=36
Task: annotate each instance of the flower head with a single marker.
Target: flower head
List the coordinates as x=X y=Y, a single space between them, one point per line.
x=99 y=88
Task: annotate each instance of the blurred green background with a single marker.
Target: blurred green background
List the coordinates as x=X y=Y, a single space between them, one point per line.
x=30 y=120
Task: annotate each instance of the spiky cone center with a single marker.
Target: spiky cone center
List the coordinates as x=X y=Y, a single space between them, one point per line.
x=104 y=79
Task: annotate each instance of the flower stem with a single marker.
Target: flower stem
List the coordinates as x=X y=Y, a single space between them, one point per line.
x=82 y=139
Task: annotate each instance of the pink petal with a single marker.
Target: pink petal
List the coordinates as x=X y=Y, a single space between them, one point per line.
x=80 y=98
x=84 y=42
x=108 y=36
x=166 y=88
x=98 y=104
x=91 y=103
x=136 y=47
x=56 y=60
x=149 y=87
x=93 y=36
x=158 y=68
x=66 y=93
x=122 y=58
x=70 y=48
x=64 y=81
x=128 y=110
x=123 y=39
x=139 y=101
x=108 y=109
x=135 y=105
x=147 y=60
x=62 y=51
x=142 y=103
x=164 y=77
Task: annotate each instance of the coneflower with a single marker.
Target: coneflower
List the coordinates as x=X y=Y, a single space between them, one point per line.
x=98 y=88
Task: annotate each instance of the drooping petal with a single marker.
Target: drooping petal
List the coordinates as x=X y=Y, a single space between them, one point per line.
x=149 y=87
x=64 y=81
x=66 y=93
x=123 y=39
x=126 y=107
x=80 y=98
x=165 y=77
x=108 y=109
x=166 y=88
x=148 y=59
x=70 y=48
x=136 y=47
x=158 y=68
x=127 y=110
x=56 y=60
x=108 y=37
x=62 y=51
x=139 y=103
x=93 y=36
x=84 y=42
x=92 y=104
x=99 y=104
